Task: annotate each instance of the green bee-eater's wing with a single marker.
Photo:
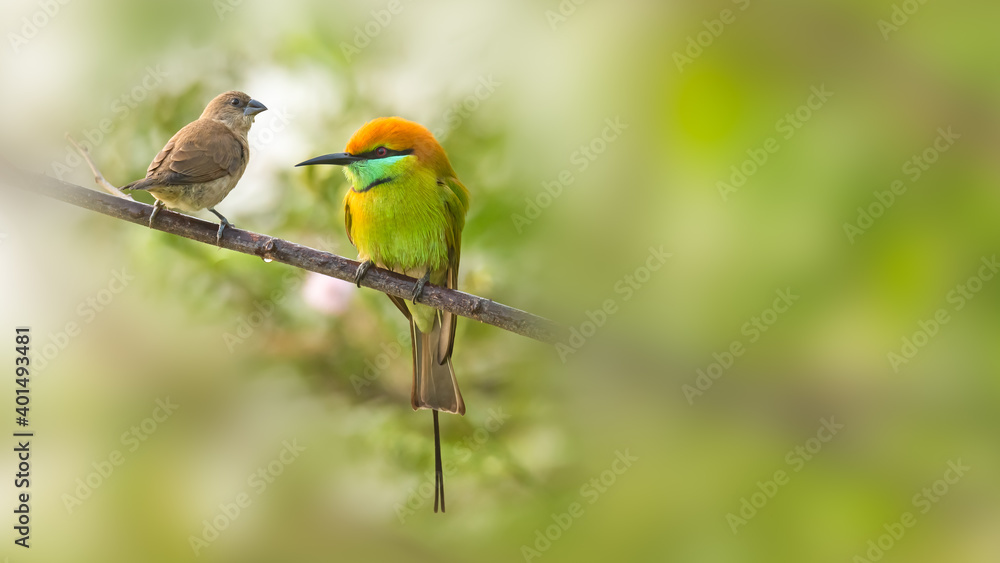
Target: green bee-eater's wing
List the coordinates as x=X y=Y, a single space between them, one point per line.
x=456 y=198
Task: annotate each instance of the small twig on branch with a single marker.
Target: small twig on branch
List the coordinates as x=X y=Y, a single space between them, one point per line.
x=98 y=177
x=270 y=248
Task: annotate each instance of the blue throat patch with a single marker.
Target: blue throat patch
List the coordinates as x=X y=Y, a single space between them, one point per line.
x=376 y=171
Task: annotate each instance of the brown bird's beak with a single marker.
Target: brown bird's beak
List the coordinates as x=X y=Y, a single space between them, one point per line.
x=253 y=108
x=340 y=158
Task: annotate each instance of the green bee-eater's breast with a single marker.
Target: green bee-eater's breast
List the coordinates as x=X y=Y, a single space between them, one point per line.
x=400 y=225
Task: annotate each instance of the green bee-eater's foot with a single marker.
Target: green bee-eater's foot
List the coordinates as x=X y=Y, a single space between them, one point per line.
x=418 y=289
x=156 y=211
x=362 y=270
x=222 y=226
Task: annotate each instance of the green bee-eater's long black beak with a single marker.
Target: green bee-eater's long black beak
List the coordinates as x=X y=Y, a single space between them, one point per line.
x=340 y=158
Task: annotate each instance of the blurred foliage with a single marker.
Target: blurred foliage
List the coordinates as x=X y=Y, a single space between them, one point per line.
x=258 y=354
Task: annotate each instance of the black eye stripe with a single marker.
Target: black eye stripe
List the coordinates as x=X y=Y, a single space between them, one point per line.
x=370 y=155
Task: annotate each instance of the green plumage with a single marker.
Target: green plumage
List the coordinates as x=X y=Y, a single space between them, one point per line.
x=410 y=223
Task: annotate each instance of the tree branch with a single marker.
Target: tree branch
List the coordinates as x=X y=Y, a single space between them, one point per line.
x=98 y=177
x=270 y=248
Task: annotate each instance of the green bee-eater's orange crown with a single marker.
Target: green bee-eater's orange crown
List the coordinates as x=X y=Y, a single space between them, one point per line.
x=398 y=134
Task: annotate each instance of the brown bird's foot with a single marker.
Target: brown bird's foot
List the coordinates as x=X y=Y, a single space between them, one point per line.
x=362 y=270
x=156 y=211
x=438 y=471
x=418 y=289
x=222 y=226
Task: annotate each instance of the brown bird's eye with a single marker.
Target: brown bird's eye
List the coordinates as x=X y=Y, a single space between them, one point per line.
x=235 y=102
x=381 y=152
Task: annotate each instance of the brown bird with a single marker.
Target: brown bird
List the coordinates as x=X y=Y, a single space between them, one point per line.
x=202 y=163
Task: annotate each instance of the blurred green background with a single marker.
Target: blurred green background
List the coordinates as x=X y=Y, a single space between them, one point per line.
x=588 y=135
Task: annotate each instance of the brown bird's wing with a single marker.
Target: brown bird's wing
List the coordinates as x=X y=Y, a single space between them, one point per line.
x=202 y=151
x=457 y=201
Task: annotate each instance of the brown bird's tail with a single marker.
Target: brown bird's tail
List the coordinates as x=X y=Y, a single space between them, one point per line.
x=435 y=388
x=137 y=185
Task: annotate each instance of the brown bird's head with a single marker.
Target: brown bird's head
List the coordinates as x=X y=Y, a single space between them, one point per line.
x=233 y=109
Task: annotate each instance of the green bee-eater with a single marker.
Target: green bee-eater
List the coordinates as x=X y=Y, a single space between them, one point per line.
x=405 y=212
